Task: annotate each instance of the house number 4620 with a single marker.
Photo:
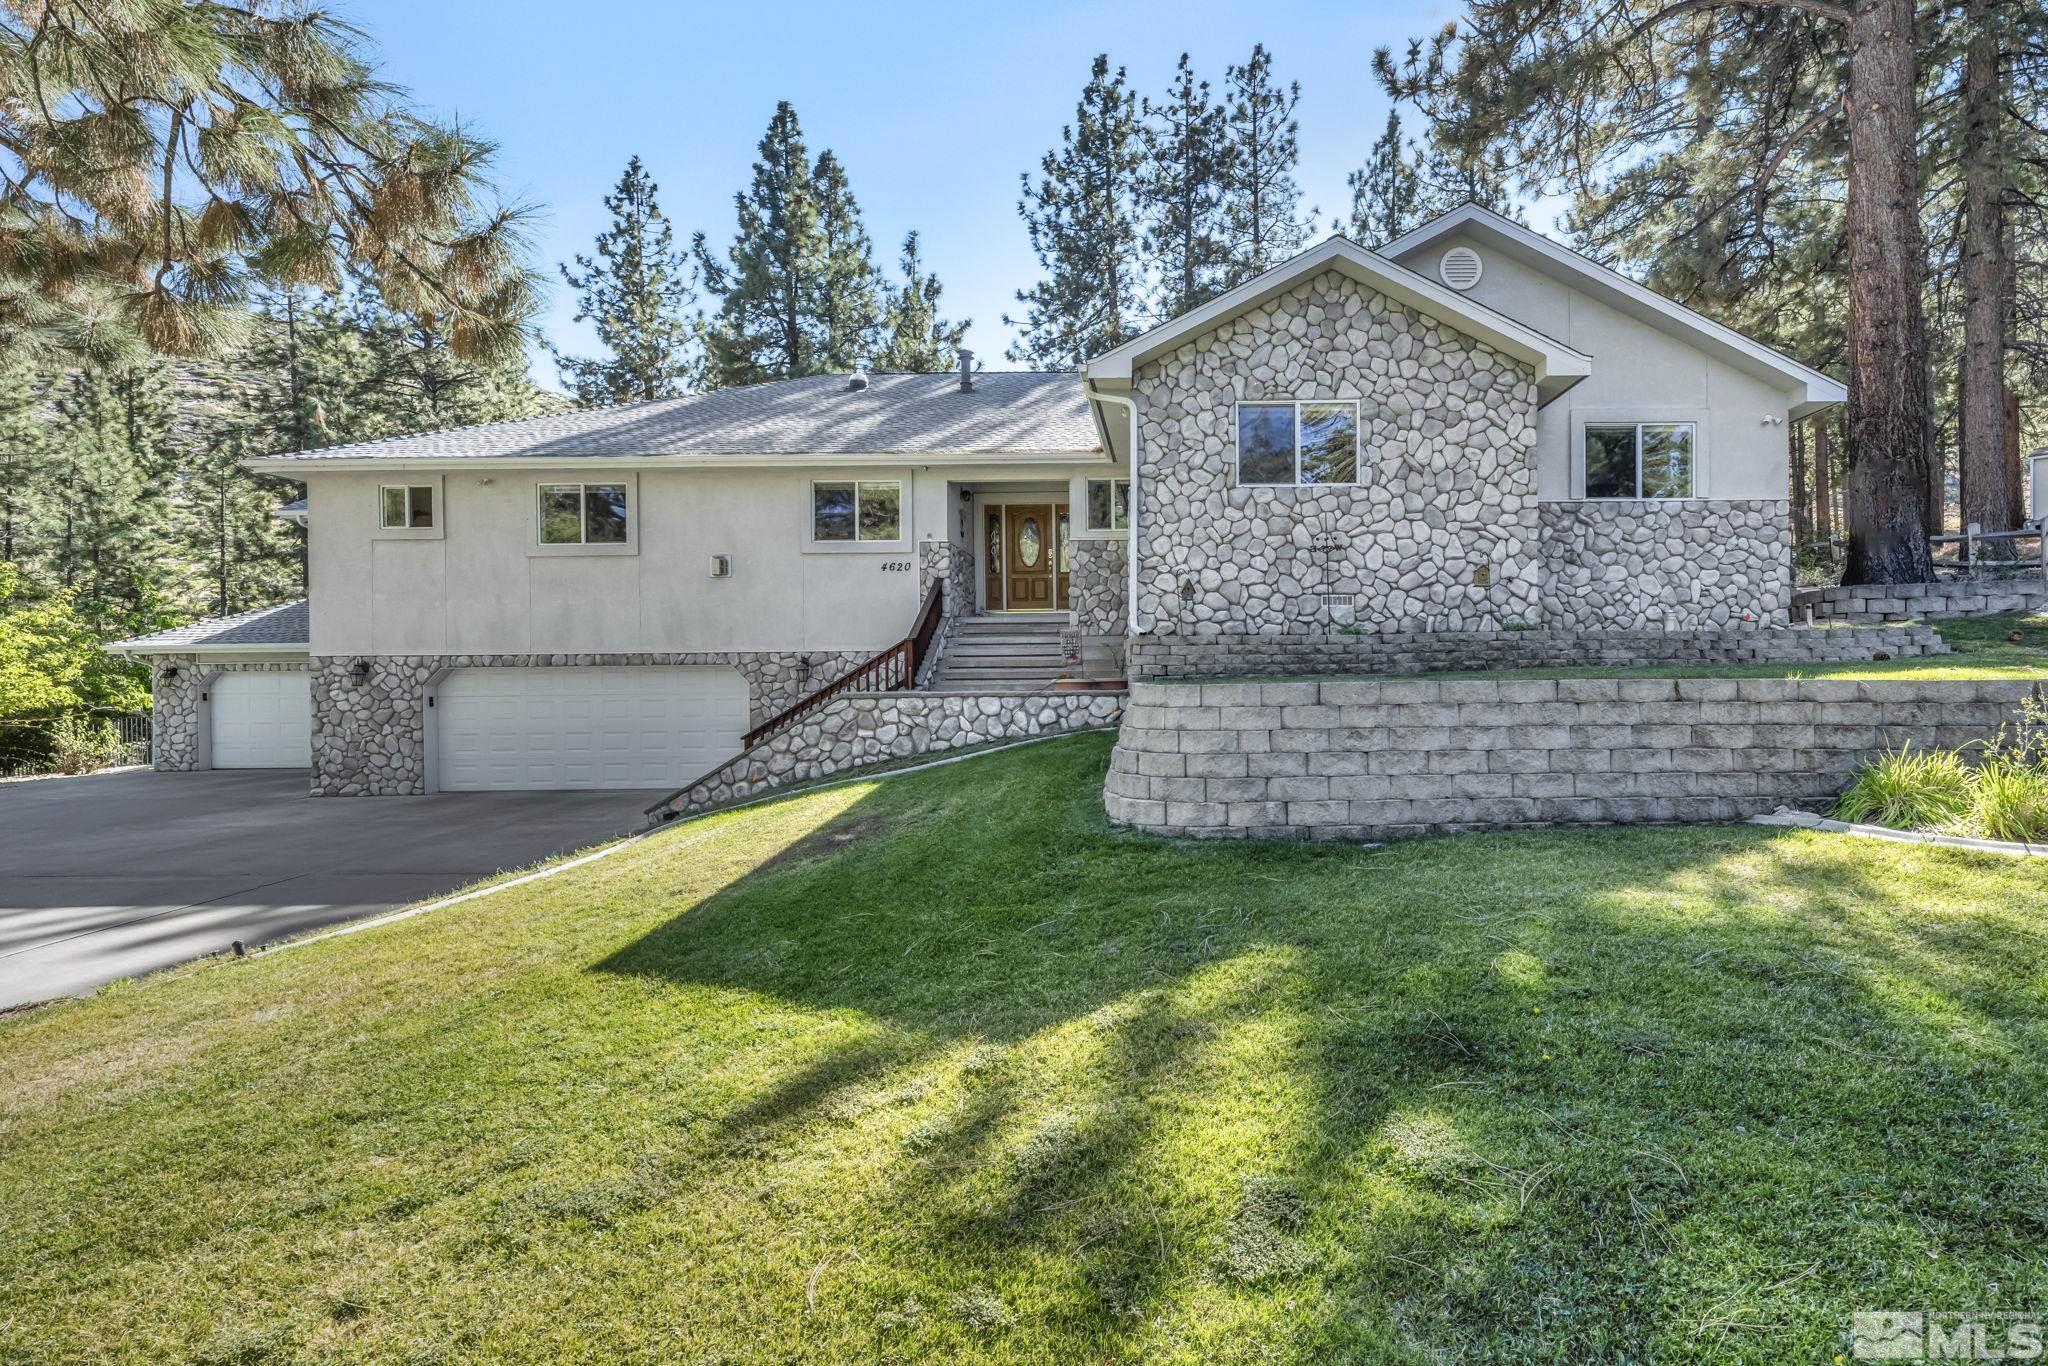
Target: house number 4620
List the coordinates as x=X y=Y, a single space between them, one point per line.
x=895 y=566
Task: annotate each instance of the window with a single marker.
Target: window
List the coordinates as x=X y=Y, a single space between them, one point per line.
x=583 y=514
x=1308 y=442
x=405 y=507
x=1109 y=504
x=864 y=510
x=1639 y=460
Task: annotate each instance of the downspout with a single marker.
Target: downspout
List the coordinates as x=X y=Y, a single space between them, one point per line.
x=1133 y=406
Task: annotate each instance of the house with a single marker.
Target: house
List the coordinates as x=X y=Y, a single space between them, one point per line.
x=1472 y=432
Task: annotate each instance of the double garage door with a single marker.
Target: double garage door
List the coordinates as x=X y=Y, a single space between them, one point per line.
x=601 y=727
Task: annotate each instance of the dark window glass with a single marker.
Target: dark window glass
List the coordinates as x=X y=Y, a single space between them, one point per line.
x=1667 y=462
x=1123 y=505
x=393 y=511
x=881 y=512
x=1099 y=505
x=604 y=514
x=561 y=514
x=421 y=504
x=1329 y=444
x=1265 y=443
x=1611 y=462
x=832 y=512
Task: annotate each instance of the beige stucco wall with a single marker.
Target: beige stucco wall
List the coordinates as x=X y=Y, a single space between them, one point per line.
x=1640 y=374
x=480 y=584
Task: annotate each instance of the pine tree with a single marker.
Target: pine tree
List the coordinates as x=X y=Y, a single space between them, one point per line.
x=26 y=488
x=1386 y=193
x=637 y=292
x=1263 y=223
x=1181 y=191
x=239 y=549
x=1083 y=225
x=114 y=463
x=765 y=327
x=848 y=305
x=918 y=338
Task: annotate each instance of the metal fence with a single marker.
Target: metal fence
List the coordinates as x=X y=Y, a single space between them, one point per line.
x=77 y=742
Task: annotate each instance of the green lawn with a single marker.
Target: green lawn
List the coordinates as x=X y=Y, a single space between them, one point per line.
x=1980 y=648
x=942 y=1067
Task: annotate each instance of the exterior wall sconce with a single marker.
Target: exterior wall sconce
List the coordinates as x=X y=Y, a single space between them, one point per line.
x=360 y=670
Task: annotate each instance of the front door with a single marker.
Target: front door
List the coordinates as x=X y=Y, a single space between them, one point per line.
x=1030 y=558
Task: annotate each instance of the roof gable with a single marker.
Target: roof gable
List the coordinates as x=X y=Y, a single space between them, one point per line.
x=1556 y=365
x=1627 y=296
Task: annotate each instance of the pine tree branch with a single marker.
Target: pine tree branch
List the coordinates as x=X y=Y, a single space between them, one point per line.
x=1831 y=13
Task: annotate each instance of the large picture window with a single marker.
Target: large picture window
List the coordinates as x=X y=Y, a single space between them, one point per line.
x=1109 y=504
x=1307 y=441
x=583 y=514
x=857 y=510
x=1639 y=460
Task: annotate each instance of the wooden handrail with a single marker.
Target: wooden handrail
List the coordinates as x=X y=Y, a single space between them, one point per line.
x=892 y=670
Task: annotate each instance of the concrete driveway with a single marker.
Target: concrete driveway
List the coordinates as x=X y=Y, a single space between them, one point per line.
x=114 y=874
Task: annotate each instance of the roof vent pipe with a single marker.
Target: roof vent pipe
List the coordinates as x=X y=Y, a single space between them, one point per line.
x=966 y=371
x=857 y=381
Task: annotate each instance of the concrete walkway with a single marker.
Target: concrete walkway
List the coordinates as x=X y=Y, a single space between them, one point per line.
x=115 y=874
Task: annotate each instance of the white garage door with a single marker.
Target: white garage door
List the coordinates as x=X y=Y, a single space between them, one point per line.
x=262 y=720
x=618 y=727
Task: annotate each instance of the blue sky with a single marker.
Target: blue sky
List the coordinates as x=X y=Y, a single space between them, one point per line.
x=934 y=109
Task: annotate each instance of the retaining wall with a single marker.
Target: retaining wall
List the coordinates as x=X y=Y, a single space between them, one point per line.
x=858 y=729
x=1361 y=758
x=1877 y=602
x=1391 y=652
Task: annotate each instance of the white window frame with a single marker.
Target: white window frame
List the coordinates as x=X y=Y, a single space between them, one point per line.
x=902 y=536
x=433 y=507
x=434 y=484
x=1587 y=423
x=1088 y=507
x=1237 y=478
x=629 y=546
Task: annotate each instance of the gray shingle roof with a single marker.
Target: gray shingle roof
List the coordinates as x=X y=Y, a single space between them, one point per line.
x=1020 y=411
x=281 y=625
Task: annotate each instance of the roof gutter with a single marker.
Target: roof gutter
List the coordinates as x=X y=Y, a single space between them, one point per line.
x=299 y=466
x=144 y=649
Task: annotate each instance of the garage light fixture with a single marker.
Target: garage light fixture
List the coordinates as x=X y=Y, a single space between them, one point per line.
x=360 y=669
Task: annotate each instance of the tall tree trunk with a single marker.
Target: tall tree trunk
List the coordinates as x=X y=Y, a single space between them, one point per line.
x=1885 y=498
x=1823 y=481
x=1988 y=486
x=1802 y=520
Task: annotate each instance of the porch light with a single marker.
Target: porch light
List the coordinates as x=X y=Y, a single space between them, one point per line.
x=360 y=670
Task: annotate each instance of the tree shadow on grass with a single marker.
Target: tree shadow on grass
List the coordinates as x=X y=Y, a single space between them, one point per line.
x=1604 y=1093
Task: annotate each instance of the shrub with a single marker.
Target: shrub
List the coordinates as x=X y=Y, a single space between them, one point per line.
x=1909 y=791
x=2010 y=802
x=80 y=744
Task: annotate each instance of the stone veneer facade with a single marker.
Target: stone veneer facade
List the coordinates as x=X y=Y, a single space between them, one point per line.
x=859 y=729
x=1441 y=527
x=1683 y=564
x=370 y=733
x=1365 y=758
x=175 y=703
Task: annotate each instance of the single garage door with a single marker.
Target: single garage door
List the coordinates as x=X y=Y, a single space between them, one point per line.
x=516 y=729
x=262 y=720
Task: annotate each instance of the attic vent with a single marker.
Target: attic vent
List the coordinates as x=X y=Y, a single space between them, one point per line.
x=1460 y=268
x=857 y=381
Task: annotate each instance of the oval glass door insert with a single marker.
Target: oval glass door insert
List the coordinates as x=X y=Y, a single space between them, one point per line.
x=1029 y=543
